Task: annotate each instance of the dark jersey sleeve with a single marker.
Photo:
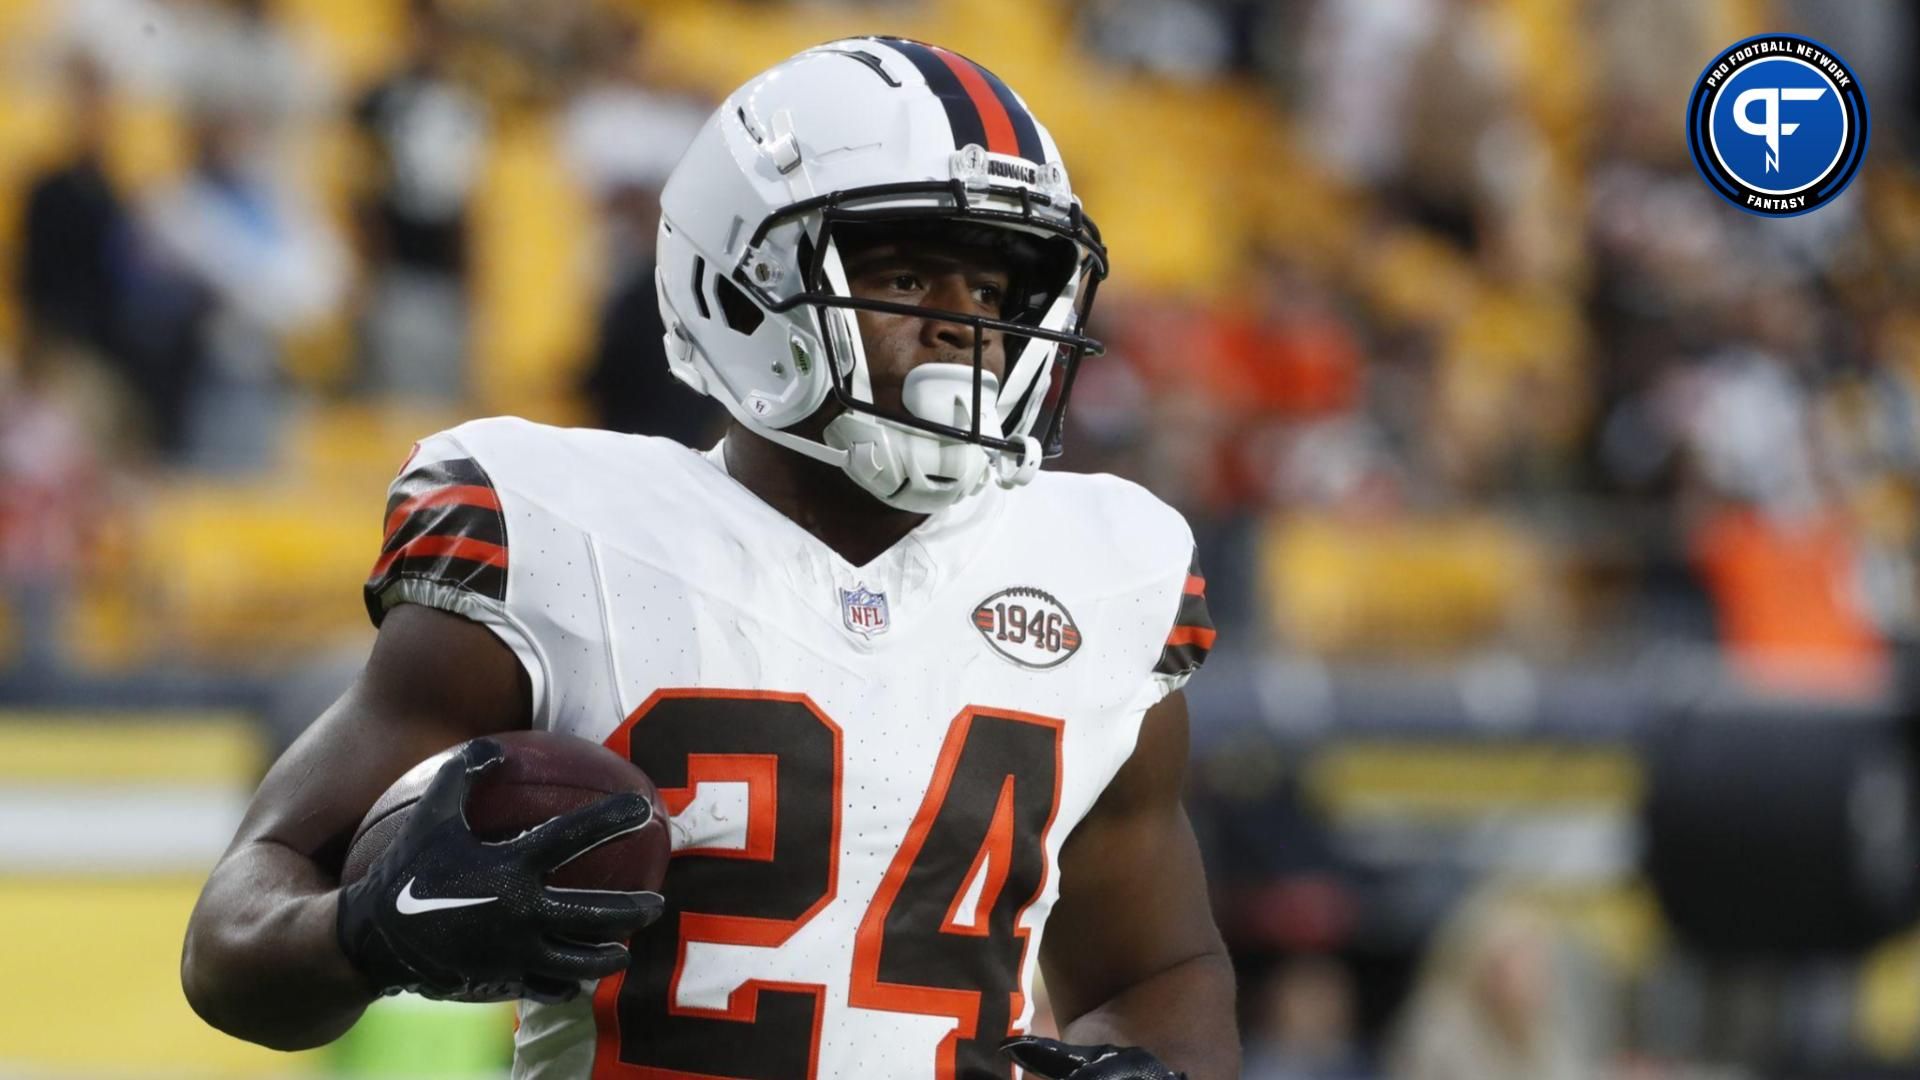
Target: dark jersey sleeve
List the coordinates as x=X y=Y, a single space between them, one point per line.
x=1191 y=635
x=445 y=539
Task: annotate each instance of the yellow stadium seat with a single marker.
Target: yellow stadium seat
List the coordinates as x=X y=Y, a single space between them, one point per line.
x=1338 y=586
x=259 y=571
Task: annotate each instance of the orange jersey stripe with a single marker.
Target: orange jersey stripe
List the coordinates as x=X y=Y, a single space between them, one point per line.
x=463 y=494
x=459 y=547
x=1196 y=585
x=1191 y=635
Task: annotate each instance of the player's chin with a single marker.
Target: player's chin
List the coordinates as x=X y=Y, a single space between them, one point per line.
x=890 y=397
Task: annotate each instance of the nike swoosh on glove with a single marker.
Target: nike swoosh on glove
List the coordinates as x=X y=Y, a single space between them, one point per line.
x=1056 y=1060
x=447 y=915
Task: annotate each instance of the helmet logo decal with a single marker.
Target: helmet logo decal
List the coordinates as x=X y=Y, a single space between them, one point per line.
x=1028 y=627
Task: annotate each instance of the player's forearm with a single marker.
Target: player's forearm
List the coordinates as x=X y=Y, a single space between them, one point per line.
x=262 y=962
x=1183 y=1014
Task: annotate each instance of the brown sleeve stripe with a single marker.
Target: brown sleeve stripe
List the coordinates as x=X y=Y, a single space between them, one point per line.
x=446 y=547
x=443 y=525
x=453 y=472
x=1193 y=612
x=1180 y=659
x=461 y=494
x=475 y=522
x=1192 y=634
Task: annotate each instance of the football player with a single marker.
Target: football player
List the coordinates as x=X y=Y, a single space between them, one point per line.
x=914 y=706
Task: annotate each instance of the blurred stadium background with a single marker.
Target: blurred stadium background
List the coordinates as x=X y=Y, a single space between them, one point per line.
x=1560 y=519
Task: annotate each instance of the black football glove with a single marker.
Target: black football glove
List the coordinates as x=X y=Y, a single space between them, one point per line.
x=1056 y=1060
x=447 y=915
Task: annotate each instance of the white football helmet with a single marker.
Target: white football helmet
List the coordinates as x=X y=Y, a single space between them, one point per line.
x=756 y=302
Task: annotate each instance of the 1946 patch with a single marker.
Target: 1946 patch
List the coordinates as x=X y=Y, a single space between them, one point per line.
x=1028 y=627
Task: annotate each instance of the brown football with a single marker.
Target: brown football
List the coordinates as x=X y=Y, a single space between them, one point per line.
x=545 y=774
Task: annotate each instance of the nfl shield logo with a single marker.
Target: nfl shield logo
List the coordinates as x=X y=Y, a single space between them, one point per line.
x=864 y=611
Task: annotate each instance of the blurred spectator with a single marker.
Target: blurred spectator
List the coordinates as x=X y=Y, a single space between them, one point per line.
x=1639 y=74
x=89 y=289
x=1302 y=1026
x=621 y=130
x=52 y=491
x=1463 y=126
x=1356 y=127
x=1499 y=998
x=1774 y=548
x=427 y=133
x=76 y=226
x=622 y=136
x=1787 y=599
x=268 y=266
x=214 y=53
x=123 y=37
x=1189 y=40
x=627 y=385
x=237 y=55
x=535 y=54
x=1287 y=361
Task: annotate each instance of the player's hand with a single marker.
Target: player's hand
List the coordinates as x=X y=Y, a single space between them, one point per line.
x=447 y=915
x=1056 y=1060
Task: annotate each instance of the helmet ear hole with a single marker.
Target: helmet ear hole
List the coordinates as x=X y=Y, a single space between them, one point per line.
x=700 y=286
x=743 y=315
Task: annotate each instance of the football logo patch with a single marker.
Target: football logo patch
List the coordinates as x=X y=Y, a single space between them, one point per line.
x=1028 y=627
x=864 y=610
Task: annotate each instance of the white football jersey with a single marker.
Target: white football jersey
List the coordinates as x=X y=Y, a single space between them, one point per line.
x=871 y=769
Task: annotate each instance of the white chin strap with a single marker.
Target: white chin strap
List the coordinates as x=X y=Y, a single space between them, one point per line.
x=918 y=471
